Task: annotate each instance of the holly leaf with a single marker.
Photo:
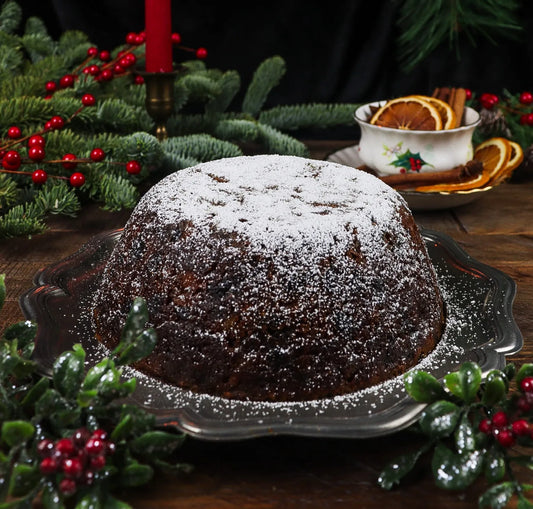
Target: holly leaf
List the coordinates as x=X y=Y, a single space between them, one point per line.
x=464 y=383
x=525 y=371
x=440 y=419
x=156 y=444
x=69 y=371
x=495 y=388
x=395 y=471
x=465 y=439
x=136 y=474
x=17 y=432
x=494 y=466
x=455 y=471
x=23 y=479
x=497 y=497
x=423 y=387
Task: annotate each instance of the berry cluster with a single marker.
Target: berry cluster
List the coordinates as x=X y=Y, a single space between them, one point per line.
x=75 y=459
x=103 y=67
x=12 y=159
x=489 y=101
x=506 y=429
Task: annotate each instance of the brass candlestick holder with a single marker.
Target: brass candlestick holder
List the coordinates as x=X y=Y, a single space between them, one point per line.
x=159 y=99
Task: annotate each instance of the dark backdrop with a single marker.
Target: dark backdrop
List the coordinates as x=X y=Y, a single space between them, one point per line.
x=336 y=51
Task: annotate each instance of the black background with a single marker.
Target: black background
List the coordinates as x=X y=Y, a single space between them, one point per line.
x=336 y=51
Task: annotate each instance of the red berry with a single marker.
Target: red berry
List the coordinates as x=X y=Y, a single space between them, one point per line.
x=468 y=93
x=118 y=69
x=526 y=385
x=48 y=466
x=14 y=132
x=176 y=38
x=131 y=38
x=85 y=70
x=67 y=486
x=104 y=55
x=67 y=164
x=505 y=438
x=488 y=101
x=65 y=447
x=77 y=179
x=36 y=141
x=11 y=161
x=57 y=122
x=39 y=176
x=97 y=154
x=100 y=434
x=97 y=462
x=138 y=80
x=201 y=53
x=92 y=51
x=499 y=420
x=72 y=467
x=106 y=75
x=93 y=70
x=485 y=426
x=133 y=167
x=36 y=153
x=50 y=86
x=45 y=447
x=48 y=126
x=66 y=81
x=81 y=436
x=139 y=39
x=520 y=427
x=94 y=446
x=526 y=98
x=124 y=62
x=88 y=100
x=523 y=404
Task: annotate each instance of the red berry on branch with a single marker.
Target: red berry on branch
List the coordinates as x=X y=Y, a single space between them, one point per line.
x=92 y=51
x=48 y=466
x=50 y=86
x=485 y=426
x=11 y=160
x=118 y=69
x=45 y=446
x=95 y=446
x=86 y=70
x=39 y=176
x=88 y=100
x=133 y=167
x=65 y=447
x=201 y=53
x=506 y=438
x=57 y=122
x=67 y=164
x=100 y=434
x=93 y=70
x=97 y=462
x=138 y=80
x=468 y=93
x=48 y=126
x=176 y=38
x=97 y=155
x=47 y=97
x=520 y=427
x=131 y=38
x=80 y=437
x=72 y=467
x=488 y=101
x=36 y=140
x=77 y=179
x=66 y=81
x=139 y=39
x=526 y=385
x=124 y=62
x=104 y=56
x=106 y=75
x=67 y=486
x=14 y=132
x=526 y=98
x=499 y=419
x=36 y=153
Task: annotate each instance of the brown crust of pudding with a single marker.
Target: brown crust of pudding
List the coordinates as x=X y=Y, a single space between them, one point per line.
x=242 y=320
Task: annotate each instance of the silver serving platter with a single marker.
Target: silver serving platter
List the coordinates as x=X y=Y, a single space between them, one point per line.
x=479 y=327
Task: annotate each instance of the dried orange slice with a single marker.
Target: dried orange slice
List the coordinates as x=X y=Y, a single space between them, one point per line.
x=478 y=181
x=517 y=156
x=410 y=113
x=447 y=115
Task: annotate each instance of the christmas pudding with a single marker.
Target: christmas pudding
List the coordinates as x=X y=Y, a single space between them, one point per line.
x=274 y=278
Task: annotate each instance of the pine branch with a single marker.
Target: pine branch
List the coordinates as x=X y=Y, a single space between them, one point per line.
x=200 y=147
x=10 y=17
x=230 y=82
x=57 y=198
x=142 y=147
x=117 y=193
x=237 y=130
x=21 y=220
x=278 y=143
x=9 y=192
x=308 y=115
x=265 y=78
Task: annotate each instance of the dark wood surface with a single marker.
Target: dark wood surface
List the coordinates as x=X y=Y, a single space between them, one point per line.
x=308 y=472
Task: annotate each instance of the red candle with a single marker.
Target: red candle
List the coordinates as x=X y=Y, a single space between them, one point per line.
x=158 y=36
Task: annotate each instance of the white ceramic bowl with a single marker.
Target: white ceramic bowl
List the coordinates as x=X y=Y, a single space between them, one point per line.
x=391 y=151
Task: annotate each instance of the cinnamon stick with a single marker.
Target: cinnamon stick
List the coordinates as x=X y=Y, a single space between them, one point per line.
x=461 y=173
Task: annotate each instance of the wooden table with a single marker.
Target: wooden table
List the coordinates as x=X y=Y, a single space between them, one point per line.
x=308 y=472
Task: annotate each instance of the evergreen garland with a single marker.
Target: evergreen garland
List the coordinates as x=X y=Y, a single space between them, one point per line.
x=201 y=127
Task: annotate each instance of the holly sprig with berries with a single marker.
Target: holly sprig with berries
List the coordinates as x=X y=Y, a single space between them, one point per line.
x=476 y=426
x=74 y=127
x=69 y=438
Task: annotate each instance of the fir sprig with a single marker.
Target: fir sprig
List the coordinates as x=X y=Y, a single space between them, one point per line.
x=472 y=425
x=69 y=438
